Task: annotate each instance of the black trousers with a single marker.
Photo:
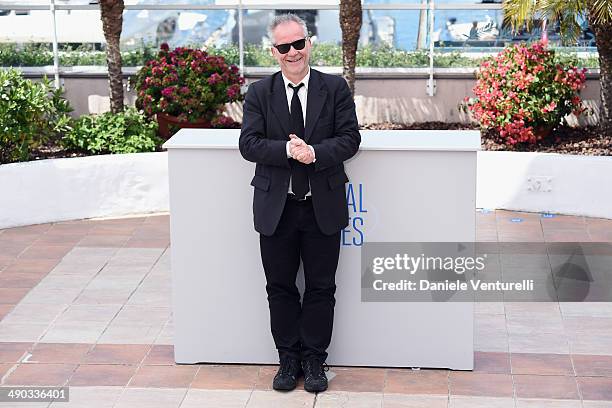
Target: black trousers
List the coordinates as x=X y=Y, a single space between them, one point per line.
x=300 y=330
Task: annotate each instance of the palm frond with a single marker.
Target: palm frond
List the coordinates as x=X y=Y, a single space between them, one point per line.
x=556 y=10
x=601 y=11
x=518 y=13
x=570 y=29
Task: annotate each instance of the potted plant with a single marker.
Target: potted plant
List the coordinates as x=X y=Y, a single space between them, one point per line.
x=187 y=87
x=525 y=92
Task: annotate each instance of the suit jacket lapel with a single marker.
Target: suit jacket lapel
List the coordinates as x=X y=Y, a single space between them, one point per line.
x=278 y=103
x=316 y=99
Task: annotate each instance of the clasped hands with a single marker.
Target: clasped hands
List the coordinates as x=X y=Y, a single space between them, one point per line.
x=300 y=150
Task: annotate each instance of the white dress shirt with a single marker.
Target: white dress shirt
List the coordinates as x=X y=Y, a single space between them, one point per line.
x=303 y=97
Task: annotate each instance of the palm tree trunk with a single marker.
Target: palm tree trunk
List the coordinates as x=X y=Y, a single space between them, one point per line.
x=350 y=23
x=603 y=40
x=422 y=30
x=112 y=23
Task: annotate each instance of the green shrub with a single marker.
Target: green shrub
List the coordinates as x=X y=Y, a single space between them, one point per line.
x=28 y=55
x=230 y=52
x=258 y=56
x=323 y=54
x=455 y=60
x=37 y=54
x=126 y=132
x=30 y=114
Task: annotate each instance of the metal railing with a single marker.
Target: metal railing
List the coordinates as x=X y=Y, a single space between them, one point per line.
x=429 y=6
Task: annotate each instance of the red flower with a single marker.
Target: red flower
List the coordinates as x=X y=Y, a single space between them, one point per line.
x=522 y=88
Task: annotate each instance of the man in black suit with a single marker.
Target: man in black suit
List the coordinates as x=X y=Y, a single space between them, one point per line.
x=299 y=126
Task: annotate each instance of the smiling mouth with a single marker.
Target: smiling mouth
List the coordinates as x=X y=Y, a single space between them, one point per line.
x=294 y=61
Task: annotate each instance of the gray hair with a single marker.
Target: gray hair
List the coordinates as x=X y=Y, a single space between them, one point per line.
x=285 y=18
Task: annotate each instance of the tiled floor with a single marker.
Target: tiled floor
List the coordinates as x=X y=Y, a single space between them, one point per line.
x=87 y=304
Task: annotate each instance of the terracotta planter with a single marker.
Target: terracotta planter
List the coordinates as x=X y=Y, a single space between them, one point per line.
x=165 y=121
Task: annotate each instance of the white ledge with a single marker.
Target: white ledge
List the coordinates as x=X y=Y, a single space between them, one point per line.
x=422 y=140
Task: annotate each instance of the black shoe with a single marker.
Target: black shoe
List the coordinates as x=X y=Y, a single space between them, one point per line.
x=314 y=375
x=287 y=375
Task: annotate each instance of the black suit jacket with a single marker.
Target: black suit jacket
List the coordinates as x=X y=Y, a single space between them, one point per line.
x=331 y=129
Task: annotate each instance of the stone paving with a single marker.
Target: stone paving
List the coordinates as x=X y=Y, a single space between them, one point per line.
x=87 y=304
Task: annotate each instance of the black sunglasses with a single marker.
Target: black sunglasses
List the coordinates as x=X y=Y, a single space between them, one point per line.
x=297 y=44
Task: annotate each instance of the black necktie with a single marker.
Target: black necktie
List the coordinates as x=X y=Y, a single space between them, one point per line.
x=299 y=173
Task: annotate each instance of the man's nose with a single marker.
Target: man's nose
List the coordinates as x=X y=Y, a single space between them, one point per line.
x=292 y=51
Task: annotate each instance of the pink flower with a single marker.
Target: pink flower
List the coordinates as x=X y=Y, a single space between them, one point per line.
x=179 y=81
x=214 y=78
x=167 y=92
x=222 y=122
x=550 y=107
x=233 y=91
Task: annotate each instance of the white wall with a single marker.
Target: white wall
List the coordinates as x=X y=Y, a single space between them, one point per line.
x=84 y=187
x=545 y=182
x=116 y=185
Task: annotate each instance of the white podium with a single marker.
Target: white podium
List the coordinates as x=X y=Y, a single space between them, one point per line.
x=405 y=186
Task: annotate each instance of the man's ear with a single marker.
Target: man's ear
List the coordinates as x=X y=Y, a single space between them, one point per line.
x=272 y=51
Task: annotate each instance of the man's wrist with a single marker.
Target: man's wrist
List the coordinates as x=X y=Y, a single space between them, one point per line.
x=314 y=157
x=289 y=156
